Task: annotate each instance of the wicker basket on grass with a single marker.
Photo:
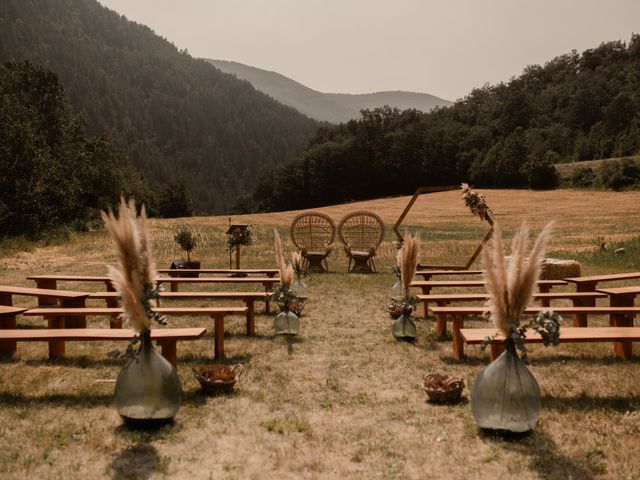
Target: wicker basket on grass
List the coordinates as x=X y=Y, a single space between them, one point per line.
x=217 y=378
x=442 y=388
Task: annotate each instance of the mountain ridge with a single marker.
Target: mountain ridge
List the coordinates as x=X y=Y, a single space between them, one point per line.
x=325 y=106
x=178 y=118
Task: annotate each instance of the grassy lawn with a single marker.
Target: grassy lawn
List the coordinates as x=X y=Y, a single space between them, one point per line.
x=344 y=399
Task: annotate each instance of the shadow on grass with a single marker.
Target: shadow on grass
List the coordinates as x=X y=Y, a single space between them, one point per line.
x=557 y=360
x=77 y=362
x=138 y=462
x=56 y=399
x=543 y=454
x=586 y=403
x=80 y=400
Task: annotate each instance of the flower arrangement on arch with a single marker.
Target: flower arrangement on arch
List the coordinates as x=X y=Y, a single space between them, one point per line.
x=476 y=202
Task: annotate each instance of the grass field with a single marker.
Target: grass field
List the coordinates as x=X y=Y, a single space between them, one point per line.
x=344 y=400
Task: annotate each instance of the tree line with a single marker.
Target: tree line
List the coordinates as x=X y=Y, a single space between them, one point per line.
x=576 y=107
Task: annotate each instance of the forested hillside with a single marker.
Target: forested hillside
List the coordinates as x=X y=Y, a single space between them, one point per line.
x=52 y=174
x=576 y=107
x=177 y=118
x=330 y=107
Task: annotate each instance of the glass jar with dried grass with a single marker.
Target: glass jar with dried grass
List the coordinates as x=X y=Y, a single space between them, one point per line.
x=148 y=390
x=404 y=328
x=505 y=395
x=286 y=322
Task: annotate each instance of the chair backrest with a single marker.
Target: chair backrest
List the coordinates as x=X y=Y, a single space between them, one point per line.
x=361 y=231
x=312 y=231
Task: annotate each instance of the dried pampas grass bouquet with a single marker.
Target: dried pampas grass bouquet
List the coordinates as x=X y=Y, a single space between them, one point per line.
x=134 y=278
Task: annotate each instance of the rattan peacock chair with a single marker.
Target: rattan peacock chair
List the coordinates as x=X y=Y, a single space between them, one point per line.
x=361 y=233
x=313 y=233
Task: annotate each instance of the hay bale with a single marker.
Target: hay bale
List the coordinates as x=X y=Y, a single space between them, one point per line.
x=556 y=269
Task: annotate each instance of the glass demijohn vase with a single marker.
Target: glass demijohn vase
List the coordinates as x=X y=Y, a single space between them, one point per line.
x=148 y=390
x=506 y=396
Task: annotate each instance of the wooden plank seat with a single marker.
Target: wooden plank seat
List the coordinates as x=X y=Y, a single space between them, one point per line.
x=625 y=335
x=444 y=299
x=269 y=272
x=621 y=317
x=217 y=313
x=167 y=338
x=544 y=286
x=590 y=283
x=50 y=281
x=47 y=297
x=427 y=274
x=249 y=298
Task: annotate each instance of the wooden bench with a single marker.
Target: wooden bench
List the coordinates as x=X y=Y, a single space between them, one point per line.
x=427 y=274
x=47 y=298
x=50 y=282
x=619 y=315
x=426 y=286
x=625 y=335
x=590 y=283
x=443 y=300
x=269 y=272
x=248 y=298
x=167 y=338
x=56 y=348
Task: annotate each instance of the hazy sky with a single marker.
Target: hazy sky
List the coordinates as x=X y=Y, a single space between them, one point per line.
x=357 y=46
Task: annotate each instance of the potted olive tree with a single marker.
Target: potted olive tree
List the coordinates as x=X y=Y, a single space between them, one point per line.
x=187 y=241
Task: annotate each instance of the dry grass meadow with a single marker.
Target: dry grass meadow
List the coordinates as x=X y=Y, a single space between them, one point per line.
x=344 y=400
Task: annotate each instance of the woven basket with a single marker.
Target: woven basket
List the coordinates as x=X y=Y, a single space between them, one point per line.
x=217 y=378
x=442 y=388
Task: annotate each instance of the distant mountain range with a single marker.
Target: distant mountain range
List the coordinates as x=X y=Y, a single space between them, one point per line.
x=329 y=107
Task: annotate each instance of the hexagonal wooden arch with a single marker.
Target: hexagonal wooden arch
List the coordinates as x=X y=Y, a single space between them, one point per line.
x=423 y=190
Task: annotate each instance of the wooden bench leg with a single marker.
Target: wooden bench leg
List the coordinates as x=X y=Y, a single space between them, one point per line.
x=115 y=321
x=496 y=350
x=441 y=321
x=218 y=336
x=425 y=306
x=7 y=347
x=458 y=341
x=5 y=299
x=622 y=349
x=251 y=320
x=267 y=304
x=75 y=321
x=582 y=319
x=56 y=349
x=174 y=286
x=169 y=351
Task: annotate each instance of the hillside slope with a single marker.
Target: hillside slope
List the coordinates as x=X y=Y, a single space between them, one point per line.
x=330 y=107
x=177 y=118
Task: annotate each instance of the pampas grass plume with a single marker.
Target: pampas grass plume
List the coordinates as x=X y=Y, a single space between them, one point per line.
x=511 y=284
x=286 y=271
x=136 y=267
x=407 y=260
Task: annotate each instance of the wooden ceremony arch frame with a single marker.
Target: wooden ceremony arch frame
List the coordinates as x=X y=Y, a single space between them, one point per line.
x=423 y=190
